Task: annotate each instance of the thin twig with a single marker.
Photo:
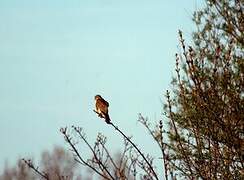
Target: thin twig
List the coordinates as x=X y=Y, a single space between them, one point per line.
x=30 y=164
x=68 y=140
x=128 y=139
x=95 y=156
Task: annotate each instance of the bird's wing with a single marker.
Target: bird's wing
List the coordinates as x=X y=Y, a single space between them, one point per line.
x=105 y=102
x=102 y=106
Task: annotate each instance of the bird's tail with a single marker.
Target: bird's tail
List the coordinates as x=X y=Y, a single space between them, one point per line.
x=107 y=119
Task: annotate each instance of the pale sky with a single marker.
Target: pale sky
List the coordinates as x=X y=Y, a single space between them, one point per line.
x=56 y=55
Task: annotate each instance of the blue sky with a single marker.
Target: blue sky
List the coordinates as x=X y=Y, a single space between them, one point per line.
x=56 y=55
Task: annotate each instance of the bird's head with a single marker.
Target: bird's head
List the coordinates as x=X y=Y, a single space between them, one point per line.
x=98 y=97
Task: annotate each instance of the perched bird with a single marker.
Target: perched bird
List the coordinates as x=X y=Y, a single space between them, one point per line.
x=102 y=108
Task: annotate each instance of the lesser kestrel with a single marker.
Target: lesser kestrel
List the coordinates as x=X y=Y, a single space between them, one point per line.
x=102 y=108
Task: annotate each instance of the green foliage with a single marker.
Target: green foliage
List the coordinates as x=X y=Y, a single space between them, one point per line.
x=206 y=111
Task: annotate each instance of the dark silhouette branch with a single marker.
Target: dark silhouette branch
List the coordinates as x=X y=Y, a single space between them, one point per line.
x=95 y=156
x=30 y=164
x=158 y=141
x=138 y=150
x=68 y=140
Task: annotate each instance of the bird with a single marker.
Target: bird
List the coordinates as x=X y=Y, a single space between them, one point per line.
x=102 y=108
